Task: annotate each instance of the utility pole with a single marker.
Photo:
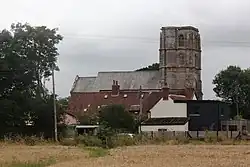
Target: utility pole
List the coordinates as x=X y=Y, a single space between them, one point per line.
x=237 y=94
x=54 y=103
x=140 y=113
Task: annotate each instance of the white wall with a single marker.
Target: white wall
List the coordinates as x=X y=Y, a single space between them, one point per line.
x=167 y=108
x=154 y=128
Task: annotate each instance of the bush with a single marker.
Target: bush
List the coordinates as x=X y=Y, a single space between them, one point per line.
x=31 y=141
x=27 y=140
x=89 y=141
x=123 y=141
x=68 y=142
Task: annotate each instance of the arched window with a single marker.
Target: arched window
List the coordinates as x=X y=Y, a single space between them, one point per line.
x=190 y=39
x=181 y=40
x=196 y=60
x=190 y=60
x=181 y=59
x=174 y=79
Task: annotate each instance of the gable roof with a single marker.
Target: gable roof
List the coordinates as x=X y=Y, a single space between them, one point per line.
x=128 y=80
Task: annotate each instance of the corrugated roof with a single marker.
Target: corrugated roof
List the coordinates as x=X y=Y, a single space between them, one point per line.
x=126 y=79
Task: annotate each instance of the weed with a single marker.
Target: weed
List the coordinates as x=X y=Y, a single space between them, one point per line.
x=96 y=151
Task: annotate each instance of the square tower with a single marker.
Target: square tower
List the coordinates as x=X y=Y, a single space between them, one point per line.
x=180 y=58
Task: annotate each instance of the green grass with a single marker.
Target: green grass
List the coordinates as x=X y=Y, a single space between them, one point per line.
x=96 y=151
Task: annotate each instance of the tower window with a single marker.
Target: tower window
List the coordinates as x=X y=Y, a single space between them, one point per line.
x=190 y=60
x=173 y=80
x=190 y=40
x=181 y=40
x=181 y=59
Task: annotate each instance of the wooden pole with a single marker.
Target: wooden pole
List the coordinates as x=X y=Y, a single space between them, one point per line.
x=54 y=103
x=140 y=113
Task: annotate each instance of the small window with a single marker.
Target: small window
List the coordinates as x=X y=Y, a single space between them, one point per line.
x=224 y=127
x=162 y=130
x=181 y=40
x=232 y=127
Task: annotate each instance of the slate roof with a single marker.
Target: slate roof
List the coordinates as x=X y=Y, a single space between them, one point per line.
x=166 y=121
x=127 y=80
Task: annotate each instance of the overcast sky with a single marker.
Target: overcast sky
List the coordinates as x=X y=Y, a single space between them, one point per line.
x=104 y=35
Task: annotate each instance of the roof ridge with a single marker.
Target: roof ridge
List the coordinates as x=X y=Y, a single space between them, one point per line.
x=127 y=71
x=89 y=77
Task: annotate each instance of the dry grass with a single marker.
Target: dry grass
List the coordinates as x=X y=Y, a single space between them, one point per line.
x=20 y=154
x=136 y=156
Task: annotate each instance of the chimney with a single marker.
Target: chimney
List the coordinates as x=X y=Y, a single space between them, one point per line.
x=115 y=88
x=165 y=93
x=189 y=93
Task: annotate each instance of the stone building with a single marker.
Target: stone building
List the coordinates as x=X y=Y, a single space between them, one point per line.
x=180 y=58
x=180 y=73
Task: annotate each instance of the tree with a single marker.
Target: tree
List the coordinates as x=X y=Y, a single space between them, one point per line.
x=117 y=118
x=154 y=66
x=27 y=56
x=89 y=117
x=233 y=86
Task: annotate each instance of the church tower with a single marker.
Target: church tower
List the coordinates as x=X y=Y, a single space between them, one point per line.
x=180 y=59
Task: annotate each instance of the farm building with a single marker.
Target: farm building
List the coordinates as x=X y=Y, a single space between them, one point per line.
x=186 y=115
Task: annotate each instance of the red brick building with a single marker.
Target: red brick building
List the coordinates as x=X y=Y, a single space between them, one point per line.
x=85 y=99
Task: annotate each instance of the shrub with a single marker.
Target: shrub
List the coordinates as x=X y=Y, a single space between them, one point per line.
x=30 y=141
x=89 y=141
x=123 y=141
x=97 y=152
x=68 y=142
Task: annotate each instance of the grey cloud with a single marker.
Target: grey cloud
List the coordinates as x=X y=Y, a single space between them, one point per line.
x=223 y=25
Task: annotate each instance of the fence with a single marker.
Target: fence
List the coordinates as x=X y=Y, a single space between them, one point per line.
x=193 y=134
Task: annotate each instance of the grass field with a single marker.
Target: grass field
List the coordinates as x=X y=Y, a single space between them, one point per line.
x=136 y=156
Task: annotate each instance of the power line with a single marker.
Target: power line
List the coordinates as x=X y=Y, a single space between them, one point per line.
x=155 y=40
